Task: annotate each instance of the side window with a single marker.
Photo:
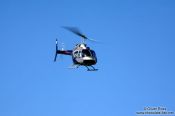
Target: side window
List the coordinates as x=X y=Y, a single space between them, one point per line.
x=76 y=54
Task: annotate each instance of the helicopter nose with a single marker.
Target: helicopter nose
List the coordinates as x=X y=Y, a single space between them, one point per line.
x=89 y=61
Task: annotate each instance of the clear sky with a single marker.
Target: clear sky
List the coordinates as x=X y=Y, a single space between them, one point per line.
x=135 y=60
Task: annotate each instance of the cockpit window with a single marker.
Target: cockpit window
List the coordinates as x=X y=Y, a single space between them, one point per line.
x=86 y=53
x=93 y=53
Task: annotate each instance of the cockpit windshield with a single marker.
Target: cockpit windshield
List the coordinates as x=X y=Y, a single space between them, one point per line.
x=86 y=53
x=93 y=53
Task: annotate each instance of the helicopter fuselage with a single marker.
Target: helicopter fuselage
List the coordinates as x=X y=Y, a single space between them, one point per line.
x=82 y=55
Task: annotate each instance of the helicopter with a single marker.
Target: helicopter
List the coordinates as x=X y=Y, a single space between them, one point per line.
x=82 y=55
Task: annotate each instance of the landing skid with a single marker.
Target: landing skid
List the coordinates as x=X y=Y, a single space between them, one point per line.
x=74 y=66
x=91 y=69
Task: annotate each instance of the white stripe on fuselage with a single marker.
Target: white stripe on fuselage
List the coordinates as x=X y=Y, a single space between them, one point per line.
x=87 y=58
x=80 y=60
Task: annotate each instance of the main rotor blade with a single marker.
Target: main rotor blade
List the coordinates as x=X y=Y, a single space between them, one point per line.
x=75 y=31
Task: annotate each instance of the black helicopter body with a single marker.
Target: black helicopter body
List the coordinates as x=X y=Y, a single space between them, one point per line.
x=82 y=55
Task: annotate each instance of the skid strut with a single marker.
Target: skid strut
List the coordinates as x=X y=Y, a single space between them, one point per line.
x=91 y=69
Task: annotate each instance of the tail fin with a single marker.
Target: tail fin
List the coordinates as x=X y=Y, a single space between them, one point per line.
x=56 y=51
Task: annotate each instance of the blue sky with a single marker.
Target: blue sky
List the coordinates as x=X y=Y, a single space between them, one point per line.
x=135 y=60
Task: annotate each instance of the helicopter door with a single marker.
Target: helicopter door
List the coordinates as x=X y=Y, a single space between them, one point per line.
x=79 y=54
